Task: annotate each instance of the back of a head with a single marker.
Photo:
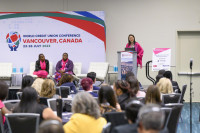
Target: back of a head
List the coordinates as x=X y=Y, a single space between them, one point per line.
x=27 y=81
x=28 y=101
x=48 y=89
x=107 y=94
x=151 y=117
x=165 y=86
x=161 y=72
x=86 y=83
x=129 y=74
x=168 y=74
x=153 y=95
x=134 y=84
x=132 y=110
x=66 y=78
x=3 y=90
x=37 y=84
x=84 y=103
x=51 y=126
x=92 y=75
x=125 y=87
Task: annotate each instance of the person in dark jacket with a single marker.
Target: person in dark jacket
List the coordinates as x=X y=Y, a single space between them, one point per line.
x=131 y=112
x=168 y=74
x=41 y=67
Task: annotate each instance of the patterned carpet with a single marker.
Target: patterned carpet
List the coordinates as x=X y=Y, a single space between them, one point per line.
x=184 y=124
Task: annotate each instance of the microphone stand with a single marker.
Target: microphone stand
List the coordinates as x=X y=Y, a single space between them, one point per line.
x=190 y=99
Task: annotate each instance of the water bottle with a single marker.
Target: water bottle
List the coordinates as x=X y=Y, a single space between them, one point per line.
x=21 y=69
x=14 y=69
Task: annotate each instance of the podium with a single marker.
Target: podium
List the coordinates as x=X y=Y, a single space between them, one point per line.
x=132 y=57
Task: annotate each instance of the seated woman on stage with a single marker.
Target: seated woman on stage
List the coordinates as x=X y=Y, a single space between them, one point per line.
x=41 y=67
x=66 y=80
x=133 y=44
x=63 y=66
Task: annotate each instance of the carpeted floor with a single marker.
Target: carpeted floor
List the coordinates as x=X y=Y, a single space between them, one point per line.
x=184 y=124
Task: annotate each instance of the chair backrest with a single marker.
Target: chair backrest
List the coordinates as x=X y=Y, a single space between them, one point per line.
x=106 y=128
x=11 y=104
x=51 y=68
x=100 y=68
x=116 y=118
x=6 y=69
x=175 y=115
x=64 y=91
x=183 y=92
x=52 y=103
x=77 y=67
x=43 y=100
x=19 y=95
x=171 y=98
x=32 y=68
x=23 y=122
x=167 y=115
x=1 y=123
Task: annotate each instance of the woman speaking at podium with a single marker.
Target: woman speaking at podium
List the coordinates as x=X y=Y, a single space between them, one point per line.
x=133 y=44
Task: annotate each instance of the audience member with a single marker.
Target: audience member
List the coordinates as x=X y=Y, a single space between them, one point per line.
x=150 y=119
x=3 y=95
x=66 y=80
x=134 y=85
x=29 y=104
x=131 y=74
x=153 y=95
x=86 y=115
x=165 y=86
x=27 y=81
x=41 y=67
x=63 y=66
x=86 y=84
x=168 y=74
x=48 y=89
x=107 y=100
x=37 y=84
x=124 y=92
x=131 y=111
x=92 y=75
x=160 y=75
x=51 y=126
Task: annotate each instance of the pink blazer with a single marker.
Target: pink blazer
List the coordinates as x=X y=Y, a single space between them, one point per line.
x=139 y=51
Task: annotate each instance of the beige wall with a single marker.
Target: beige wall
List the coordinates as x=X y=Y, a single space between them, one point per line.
x=153 y=22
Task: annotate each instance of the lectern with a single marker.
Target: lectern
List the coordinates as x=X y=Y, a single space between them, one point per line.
x=131 y=62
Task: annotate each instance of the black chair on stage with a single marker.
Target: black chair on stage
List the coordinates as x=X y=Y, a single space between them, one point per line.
x=115 y=118
x=1 y=123
x=174 y=117
x=106 y=128
x=171 y=98
x=11 y=104
x=23 y=122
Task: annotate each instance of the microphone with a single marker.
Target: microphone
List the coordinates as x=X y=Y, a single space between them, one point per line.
x=191 y=63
